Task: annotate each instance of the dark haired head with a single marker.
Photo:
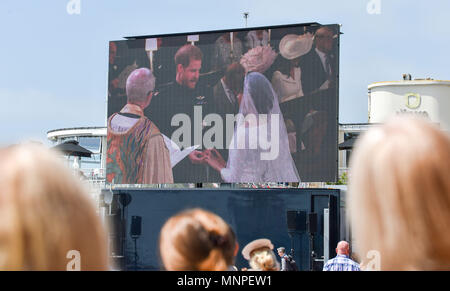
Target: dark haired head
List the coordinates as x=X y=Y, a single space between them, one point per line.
x=234 y=77
x=284 y=65
x=187 y=53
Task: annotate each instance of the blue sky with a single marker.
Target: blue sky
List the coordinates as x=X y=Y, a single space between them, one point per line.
x=54 y=65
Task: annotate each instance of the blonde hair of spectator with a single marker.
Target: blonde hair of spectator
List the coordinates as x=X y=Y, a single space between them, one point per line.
x=45 y=213
x=197 y=240
x=400 y=195
x=263 y=259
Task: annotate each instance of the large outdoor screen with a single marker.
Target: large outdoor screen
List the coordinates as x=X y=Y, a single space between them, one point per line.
x=247 y=106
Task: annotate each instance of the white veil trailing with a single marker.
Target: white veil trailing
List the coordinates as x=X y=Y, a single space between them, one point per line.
x=259 y=150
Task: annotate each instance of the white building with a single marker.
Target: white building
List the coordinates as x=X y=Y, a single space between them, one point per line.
x=422 y=97
x=93 y=139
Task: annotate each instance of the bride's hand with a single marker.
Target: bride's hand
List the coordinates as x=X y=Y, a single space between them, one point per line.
x=219 y=158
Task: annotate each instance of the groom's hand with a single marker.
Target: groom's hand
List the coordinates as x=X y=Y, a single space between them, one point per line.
x=197 y=157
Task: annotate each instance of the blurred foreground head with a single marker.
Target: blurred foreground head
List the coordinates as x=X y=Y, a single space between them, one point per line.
x=197 y=240
x=400 y=195
x=45 y=213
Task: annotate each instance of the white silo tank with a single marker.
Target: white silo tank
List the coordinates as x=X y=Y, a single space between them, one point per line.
x=429 y=98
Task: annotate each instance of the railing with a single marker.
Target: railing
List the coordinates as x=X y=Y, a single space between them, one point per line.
x=97 y=178
x=94 y=173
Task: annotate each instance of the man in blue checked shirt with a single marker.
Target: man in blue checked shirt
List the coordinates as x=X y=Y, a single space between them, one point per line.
x=342 y=262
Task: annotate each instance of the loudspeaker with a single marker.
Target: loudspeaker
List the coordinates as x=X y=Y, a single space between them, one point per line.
x=125 y=199
x=312 y=222
x=296 y=220
x=135 y=229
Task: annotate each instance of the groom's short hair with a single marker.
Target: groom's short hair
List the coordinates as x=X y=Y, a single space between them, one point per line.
x=186 y=54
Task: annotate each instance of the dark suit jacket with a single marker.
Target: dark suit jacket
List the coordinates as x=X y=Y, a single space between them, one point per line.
x=313 y=73
x=222 y=106
x=221 y=103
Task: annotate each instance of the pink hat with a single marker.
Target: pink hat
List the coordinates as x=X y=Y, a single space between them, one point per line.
x=258 y=59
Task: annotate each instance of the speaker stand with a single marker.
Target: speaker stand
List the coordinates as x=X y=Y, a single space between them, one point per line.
x=311 y=252
x=135 y=251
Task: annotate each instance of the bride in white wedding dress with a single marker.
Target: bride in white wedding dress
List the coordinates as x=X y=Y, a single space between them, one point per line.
x=259 y=151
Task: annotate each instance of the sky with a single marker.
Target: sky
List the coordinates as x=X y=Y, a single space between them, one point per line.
x=55 y=64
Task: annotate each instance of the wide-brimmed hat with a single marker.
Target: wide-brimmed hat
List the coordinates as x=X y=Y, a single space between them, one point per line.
x=254 y=245
x=293 y=46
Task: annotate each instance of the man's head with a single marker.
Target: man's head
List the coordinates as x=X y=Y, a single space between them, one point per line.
x=281 y=251
x=188 y=61
x=234 y=78
x=343 y=248
x=227 y=36
x=260 y=34
x=140 y=85
x=324 y=39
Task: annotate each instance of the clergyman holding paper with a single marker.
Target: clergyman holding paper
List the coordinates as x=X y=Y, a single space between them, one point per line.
x=137 y=153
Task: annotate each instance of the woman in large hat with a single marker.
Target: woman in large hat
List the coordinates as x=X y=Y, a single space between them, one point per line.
x=286 y=80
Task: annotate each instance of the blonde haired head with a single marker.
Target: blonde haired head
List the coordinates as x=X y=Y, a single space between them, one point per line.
x=197 y=240
x=400 y=195
x=263 y=259
x=45 y=213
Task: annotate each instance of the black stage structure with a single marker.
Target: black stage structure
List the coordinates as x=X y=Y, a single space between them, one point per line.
x=297 y=219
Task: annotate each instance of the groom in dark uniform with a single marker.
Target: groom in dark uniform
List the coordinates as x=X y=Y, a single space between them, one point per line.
x=180 y=97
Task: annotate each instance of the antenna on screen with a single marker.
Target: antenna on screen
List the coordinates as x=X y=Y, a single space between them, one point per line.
x=246 y=17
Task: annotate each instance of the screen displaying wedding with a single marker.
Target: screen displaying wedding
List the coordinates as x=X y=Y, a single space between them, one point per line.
x=247 y=106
